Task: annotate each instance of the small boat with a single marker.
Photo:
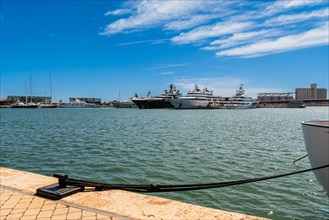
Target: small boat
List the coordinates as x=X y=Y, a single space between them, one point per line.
x=76 y=103
x=316 y=136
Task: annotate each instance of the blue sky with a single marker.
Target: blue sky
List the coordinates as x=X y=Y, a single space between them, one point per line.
x=106 y=48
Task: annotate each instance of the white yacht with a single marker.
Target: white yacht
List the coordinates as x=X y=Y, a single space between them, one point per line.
x=76 y=103
x=316 y=136
x=18 y=104
x=31 y=105
x=240 y=101
x=196 y=99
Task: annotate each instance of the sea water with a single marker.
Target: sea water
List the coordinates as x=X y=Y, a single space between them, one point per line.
x=175 y=147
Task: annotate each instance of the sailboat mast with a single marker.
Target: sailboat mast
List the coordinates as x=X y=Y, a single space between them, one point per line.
x=26 y=91
x=51 y=89
x=31 y=86
x=46 y=101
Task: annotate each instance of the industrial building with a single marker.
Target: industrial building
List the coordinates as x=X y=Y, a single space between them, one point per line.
x=311 y=93
x=88 y=100
x=268 y=97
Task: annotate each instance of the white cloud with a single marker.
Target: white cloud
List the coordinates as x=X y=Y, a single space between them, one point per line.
x=152 y=13
x=164 y=66
x=156 y=41
x=119 y=12
x=282 y=5
x=189 y=22
x=315 y=37
x=292 y=18
x=210 y=31
x=242 y=38
x=241 y=28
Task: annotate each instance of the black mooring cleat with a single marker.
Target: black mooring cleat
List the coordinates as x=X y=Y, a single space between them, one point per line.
x=58 y=190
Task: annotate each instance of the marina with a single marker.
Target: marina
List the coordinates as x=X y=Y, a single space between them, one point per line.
x=129 y=146
x=164 y=110
x=174 y=99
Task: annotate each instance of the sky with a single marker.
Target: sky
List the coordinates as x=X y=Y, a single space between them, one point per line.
x=114 y=49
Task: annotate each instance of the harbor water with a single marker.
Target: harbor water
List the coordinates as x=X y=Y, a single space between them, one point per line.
x=174 y=147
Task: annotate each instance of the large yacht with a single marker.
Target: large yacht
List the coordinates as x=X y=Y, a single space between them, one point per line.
x=76 y=103
x=161 y=101
x=196 y=99
x=18 y=104
x=240 y=101
x=124 y=104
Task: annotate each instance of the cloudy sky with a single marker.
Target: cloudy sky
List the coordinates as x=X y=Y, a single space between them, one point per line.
x=114 y=49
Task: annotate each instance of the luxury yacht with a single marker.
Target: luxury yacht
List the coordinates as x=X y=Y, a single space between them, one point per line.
x=76 y=103
x=161 y=101
x=240 y=101
x=196 y=99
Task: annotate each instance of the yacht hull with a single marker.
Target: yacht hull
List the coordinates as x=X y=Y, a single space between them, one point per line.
x=190 y=103
x=149 y=103
x=316 y=136
x=240 y=106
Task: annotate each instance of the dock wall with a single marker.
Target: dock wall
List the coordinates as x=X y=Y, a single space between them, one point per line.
x=117 y=203
x=293 y=103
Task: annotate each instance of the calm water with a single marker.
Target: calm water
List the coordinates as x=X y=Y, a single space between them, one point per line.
x=175 y=146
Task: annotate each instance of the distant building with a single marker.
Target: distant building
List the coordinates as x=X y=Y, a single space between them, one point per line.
x=268 y=97
x=35 y=99
x=311 y=93
x=89 y=100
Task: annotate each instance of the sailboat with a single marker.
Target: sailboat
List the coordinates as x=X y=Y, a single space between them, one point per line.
x=49 y=105
x=30 y=104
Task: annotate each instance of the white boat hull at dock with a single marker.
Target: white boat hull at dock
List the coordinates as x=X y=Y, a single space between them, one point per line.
x=316 y=136
x=189 y=103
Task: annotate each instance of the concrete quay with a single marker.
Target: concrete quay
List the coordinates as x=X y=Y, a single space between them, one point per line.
x=17 y=189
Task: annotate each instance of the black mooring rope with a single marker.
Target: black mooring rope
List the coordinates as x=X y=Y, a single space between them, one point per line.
x=299 y=158
x=65 y=181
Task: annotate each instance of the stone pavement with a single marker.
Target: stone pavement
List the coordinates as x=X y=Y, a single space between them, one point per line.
x=18 y=205
x=17 y=189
